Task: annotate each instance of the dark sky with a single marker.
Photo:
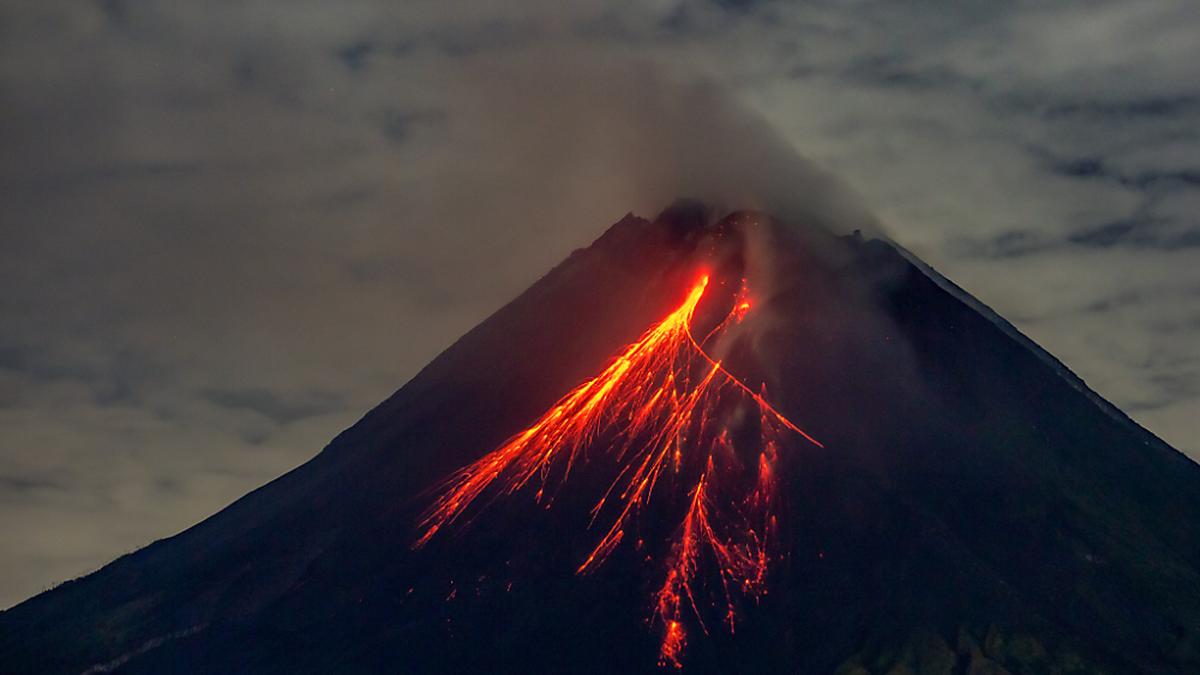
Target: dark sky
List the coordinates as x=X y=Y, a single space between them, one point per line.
x=227 y=229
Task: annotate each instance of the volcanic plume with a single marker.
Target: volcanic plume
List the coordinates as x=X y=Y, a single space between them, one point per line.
x=717 y=445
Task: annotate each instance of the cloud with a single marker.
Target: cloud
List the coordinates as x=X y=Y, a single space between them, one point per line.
x=231 y=228
x=281 y=408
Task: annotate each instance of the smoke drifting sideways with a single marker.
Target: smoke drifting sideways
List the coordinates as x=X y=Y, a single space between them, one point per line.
x=556 y=143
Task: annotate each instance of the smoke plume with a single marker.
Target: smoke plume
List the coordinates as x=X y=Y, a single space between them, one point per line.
x=562 y=138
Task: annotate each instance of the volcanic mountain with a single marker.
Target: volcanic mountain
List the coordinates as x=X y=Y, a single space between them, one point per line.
x=716 y=445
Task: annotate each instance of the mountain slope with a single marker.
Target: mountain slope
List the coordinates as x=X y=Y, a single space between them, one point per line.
x=974 y=507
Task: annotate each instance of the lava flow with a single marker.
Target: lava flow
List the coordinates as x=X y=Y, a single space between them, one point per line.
x=663 y=405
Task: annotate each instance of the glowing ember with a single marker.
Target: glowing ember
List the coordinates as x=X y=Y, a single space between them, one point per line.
x=666 y=405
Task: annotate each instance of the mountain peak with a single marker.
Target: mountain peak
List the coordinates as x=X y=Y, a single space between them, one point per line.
x=724 y=446
x=685 y=214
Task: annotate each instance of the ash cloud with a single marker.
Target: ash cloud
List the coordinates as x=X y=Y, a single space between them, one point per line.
x=569 y=133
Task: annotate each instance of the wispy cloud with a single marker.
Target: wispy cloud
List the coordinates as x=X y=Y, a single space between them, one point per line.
x=227 y=230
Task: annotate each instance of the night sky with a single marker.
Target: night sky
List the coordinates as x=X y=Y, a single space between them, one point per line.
x=228 y=229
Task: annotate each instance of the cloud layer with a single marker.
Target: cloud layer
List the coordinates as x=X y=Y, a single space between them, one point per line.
x=230 y=229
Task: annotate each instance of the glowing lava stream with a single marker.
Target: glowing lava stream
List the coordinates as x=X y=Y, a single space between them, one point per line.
x=663 y=399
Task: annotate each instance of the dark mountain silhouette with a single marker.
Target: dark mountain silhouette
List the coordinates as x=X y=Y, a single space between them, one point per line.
x=975 y=508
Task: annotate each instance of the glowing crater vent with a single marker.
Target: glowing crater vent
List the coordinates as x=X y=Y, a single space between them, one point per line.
x=663 y=405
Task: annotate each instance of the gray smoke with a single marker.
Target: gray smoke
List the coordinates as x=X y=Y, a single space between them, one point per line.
x=572 y=136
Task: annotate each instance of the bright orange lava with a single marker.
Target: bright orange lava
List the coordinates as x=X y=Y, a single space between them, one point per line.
x=663 y=401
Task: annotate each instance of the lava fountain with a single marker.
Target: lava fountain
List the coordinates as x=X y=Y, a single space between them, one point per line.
x=662 y=404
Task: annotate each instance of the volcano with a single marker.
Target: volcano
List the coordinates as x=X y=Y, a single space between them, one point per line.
x=701 y=445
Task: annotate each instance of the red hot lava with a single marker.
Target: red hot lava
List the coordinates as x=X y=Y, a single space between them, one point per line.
x=665 y=403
